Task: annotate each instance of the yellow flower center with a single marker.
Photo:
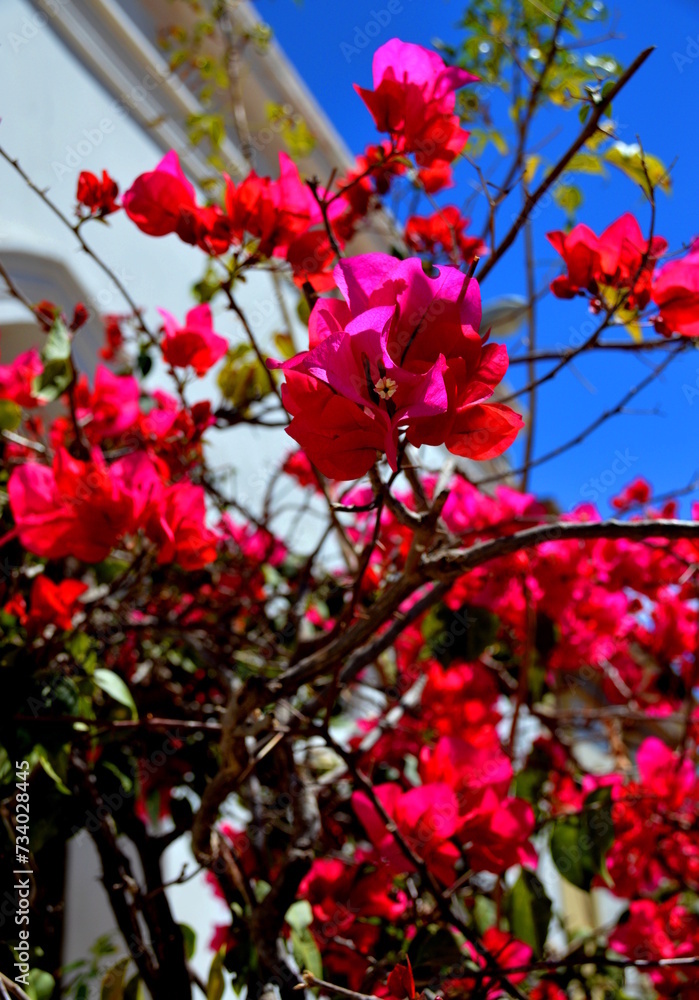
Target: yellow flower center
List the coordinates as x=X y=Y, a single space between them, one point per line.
x=385 y=387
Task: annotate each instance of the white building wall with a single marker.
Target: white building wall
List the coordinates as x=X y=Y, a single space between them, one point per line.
x=57 y=120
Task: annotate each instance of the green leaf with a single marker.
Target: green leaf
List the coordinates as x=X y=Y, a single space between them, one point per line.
x=132 y=990
x=144 y=362
x=243 y=380
x=116 y=688
x=579 y=843
x=41 y=985
x=306 y=952
x=303 y=310
x=485 y=913
x=431 y=951
x=531 y=165
x=216 y=983
x=10 y=415
x=57 y=343
x=568 y=197
x=48 y=767
x=586 y=163
x=58 y=370
x=630 y=160
x=462 y=634
x=529 y=911
x=54 y=380
x=568 y=857
x=189 y=937
x=113 y=981
x=285 y=345
x=299 y=915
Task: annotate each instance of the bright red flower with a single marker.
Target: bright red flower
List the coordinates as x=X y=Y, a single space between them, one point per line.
x=98 y=195
x=274 y=212
x=297 y=466
x=621 y=258
x=163 y=201
x=401 y=983
x=636 y=493
x=443 y=230
x=676 y=292
x=341 y=440
x=194 y=343
x=508 y=953
x=310 y=255
x=655 y=840
x=177 y=525
x=495 y=835
x=157 y=200
x=54 y=603
x=17 y=606
x=114 y=337
x=547 y=990
x=372 y=175
x=80 y=317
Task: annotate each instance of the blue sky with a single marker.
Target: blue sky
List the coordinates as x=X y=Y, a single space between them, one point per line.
x=657 y=439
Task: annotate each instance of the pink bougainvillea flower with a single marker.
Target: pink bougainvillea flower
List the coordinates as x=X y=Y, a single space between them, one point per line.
x=193 y=344
x=17 y=379
x=77 y=508
x=661 y=930
x=112 y=406
x=413 y=100
x=99 y=195
x=347 y=900
x=496 y=834
x=654 y=837
x=404 y=349
x=53 y=603
x=470 y=770
x=676 y=292
x=621 y=258
x=426 y=816
x=357 y=365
